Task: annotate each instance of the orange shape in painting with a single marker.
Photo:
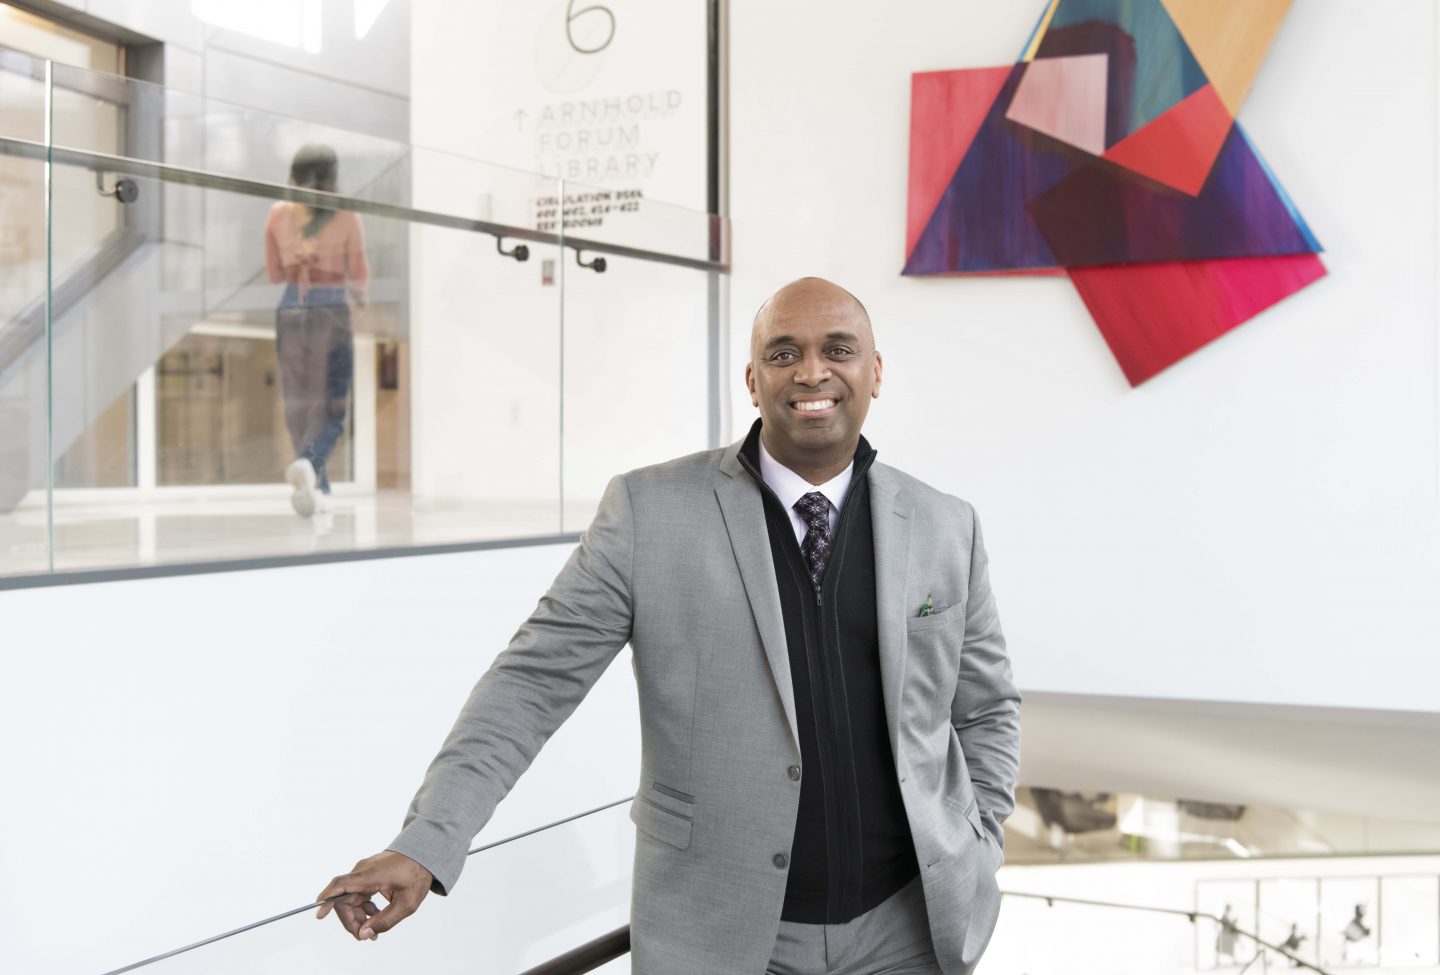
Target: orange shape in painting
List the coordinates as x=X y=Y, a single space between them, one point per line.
x=946 y=109
x=1178 y=148
x=1229 y=39
x=1040 y=29
x=1065 y=99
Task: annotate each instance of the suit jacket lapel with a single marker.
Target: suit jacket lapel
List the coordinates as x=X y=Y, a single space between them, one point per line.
x=744 y=513
x=890 y=512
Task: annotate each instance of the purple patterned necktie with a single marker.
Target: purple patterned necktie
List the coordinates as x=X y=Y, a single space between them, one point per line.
x=814 y=508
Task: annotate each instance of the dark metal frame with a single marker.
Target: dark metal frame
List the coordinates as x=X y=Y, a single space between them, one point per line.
x=587 y=957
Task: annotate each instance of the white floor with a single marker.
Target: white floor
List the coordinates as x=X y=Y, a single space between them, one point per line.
x=173 y=526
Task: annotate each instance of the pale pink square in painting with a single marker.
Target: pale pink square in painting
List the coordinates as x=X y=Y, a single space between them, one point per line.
x=1065 y=99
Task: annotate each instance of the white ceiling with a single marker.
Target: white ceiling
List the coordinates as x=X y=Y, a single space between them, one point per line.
x=1381 y=764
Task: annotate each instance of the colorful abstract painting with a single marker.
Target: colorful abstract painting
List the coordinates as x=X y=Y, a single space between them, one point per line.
x=1110 y=152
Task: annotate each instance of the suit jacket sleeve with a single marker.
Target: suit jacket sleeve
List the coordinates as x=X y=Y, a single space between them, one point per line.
x=986 y=710
x=533 y=686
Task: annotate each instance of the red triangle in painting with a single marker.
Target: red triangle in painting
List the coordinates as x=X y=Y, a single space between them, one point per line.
x=946 y=109
x=1154 y=315
x=1178 y=148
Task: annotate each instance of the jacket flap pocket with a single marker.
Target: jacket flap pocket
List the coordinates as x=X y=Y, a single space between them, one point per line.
x=659 y=822
x=974 y=816
x=680 y=803
x=971 y=813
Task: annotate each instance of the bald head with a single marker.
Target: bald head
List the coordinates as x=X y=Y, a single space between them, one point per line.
x=810 y=299
x=813 y=371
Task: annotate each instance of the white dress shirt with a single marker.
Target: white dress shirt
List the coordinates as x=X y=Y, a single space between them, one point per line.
x=790 y=487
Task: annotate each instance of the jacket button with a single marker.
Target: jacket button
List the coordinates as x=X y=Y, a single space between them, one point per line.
x=780 y=860
x=794 y=773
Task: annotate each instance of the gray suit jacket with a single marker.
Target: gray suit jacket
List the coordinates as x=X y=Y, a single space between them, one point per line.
x=677 y=563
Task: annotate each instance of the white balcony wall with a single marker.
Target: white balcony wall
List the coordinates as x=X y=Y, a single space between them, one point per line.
x=187 y=755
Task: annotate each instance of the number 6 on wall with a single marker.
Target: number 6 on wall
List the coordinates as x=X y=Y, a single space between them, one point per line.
x=572 y=15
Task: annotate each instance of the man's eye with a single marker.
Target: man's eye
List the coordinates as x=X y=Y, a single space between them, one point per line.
x=841 y=351
x=782 y=357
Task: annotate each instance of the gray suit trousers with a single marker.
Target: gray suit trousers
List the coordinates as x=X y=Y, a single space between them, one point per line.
x=892 y=938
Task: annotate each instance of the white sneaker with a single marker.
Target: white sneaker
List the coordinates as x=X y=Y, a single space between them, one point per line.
x=323 y=504
x=300 y=475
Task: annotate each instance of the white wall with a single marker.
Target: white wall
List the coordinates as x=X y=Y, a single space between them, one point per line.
x=1260 y=522
x=184 y=756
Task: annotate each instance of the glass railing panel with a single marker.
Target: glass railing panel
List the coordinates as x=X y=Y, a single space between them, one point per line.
x=88 y=111
x=171 y=438
x=1031 y=936
x=158 y=124
x=623 y=218
x=22 y=95
x=1337 y=914
x=22 y=183
x=24 y=538
x=517 y=905
x=409 y=368
x=640 y=338
x=486 y=362
x=1409 y=917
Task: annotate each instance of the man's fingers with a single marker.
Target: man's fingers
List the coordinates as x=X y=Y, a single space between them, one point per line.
x=350 y=883
x=351 y=916
x=398 y=910
x=401 y=881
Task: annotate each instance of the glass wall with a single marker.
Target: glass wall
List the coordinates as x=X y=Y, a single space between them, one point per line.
x=261 y=338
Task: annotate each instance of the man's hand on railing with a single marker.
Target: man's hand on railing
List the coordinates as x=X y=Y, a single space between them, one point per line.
x=397 y=878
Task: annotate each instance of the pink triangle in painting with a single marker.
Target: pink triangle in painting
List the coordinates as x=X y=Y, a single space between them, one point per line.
x=946 y=109
x=1065 y=99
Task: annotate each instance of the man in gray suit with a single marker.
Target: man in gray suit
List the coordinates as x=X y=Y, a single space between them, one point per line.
x=829 y=729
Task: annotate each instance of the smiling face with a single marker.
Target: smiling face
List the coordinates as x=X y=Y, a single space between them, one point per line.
x=813 y=372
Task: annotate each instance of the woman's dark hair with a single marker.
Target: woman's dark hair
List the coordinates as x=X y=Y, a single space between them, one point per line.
x=317 y=167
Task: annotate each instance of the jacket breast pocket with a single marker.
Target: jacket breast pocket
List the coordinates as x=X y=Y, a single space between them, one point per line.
x=946 y=617
x=664 y=816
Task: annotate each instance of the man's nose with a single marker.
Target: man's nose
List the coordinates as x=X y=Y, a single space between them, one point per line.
x=813 y=371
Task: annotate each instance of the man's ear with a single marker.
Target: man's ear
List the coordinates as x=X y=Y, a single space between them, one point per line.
x=750 y=383
x=879 y=371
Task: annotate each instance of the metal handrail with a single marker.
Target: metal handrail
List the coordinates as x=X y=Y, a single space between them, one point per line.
x=587 y=957
x=104 y=162
x=1052 y=900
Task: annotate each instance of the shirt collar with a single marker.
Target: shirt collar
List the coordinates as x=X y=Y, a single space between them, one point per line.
x=790 y=487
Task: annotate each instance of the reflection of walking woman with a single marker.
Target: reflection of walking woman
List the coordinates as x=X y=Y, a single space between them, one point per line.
x=317 y=253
